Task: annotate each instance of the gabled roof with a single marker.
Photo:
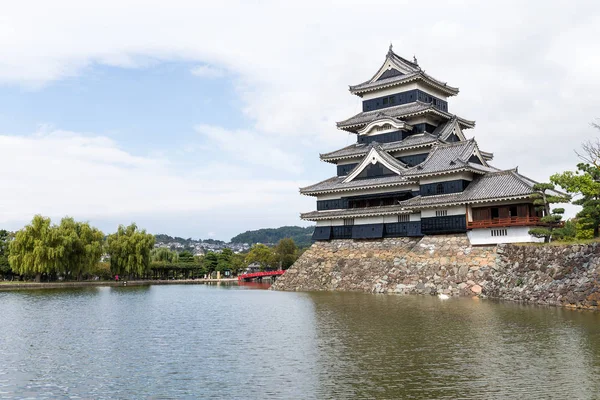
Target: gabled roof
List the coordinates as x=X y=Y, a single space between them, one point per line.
x=446 y=130
x=336 y=184
x=451 y=157
x=354 y=212
x=360 y=149
x=356 y=122
x=376 y=156
x=493 y=186
x=404 y=71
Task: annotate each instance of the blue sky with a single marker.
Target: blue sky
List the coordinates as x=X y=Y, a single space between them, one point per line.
x=200 y=119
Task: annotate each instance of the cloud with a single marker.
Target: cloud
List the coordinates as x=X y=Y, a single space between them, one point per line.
x=529 y=79
x=251 y=147
x=207 y=71
x=56 y=173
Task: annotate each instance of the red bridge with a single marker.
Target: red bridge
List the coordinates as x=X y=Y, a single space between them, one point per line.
x=259 y=275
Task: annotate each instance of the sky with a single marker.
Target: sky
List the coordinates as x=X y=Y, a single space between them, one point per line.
x=202 y=119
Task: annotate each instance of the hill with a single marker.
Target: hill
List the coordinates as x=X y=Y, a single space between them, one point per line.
x=302 y=236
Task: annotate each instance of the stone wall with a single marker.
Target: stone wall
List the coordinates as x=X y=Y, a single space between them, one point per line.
x=448 y=264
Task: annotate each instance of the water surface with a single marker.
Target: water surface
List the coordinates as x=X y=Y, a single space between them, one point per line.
x=197 y=341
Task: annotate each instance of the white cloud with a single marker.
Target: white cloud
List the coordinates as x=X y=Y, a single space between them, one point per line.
x=527 y=73
x=207 y=71
x=56 y=173
x=251 y=147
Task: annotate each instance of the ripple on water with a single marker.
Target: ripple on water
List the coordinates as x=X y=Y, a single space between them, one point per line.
x=224 y=342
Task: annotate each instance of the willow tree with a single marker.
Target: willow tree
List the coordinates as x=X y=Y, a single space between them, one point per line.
x=129 y=249
x=5 y=238
x=83 y=247
x=37 y=249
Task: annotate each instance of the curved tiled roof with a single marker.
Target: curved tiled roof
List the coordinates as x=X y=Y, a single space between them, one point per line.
x=493 y=186
x=353 y=212
x=398 y=112
x=450 y=157
x=360 y=149
x=336 y=184
x=407 y=72
x=400 y=79
x=489 y=187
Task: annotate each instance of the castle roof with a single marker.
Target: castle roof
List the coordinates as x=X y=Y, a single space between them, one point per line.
x=396 y=71
x=493 y=186
x=398 y=112
x=337 y=184
x=360 y=149
x=451 y=157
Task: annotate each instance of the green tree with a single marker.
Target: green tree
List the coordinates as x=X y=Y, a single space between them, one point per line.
x=37 y=249
x=5 y=238
x=210 y=262
x=262 y=255
x=286 y=253
x=186 y=256
x=83 y=247
x=163 y=254
x=129 y=249
x=585 y=184
x=238 y=263
x=224 y=260
x=566 y=232
x=543 y=196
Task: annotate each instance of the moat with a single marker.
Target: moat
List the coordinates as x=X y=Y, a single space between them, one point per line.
x=204 y=341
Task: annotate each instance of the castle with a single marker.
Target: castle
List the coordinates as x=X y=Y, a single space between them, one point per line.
x=412 y=171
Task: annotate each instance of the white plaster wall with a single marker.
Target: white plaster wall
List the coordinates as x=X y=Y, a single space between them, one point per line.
x=515 y=234
x=404 y=88
x=456 y=210
x=329 y=196
x=350 y=161
x=369 y=220
x=415 y=217
x=468 y=176
x=330 y=222
x=390 y=219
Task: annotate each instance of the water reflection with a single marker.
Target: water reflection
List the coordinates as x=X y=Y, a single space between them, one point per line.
x=420 y=347
x=196 y=341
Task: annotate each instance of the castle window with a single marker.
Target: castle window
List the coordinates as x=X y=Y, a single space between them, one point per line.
x=439 y=189
x=441 y=213
x=499 y=232
x=403 y=218
x=348 y=221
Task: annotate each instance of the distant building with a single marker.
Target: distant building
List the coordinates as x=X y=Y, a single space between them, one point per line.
x=413 y=172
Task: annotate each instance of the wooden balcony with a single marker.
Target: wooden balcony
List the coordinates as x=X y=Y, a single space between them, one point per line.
x=502 y=222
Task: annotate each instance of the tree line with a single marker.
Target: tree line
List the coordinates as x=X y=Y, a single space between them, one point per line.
x=301 y=236
x=73 y=250
x=169 y=264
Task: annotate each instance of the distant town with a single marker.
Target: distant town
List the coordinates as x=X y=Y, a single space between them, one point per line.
x=201 y=247
x=238 y=244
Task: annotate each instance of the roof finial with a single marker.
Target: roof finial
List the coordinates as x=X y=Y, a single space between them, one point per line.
x=390 y=51
x=415 y=59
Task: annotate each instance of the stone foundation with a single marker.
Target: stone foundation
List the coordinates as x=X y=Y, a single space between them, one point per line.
x=448 y=264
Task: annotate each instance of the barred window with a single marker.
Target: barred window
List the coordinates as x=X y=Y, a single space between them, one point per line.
x=439 y=189
x=348 y=221
x=403 y=218
x=441 y=213
x=499 y=232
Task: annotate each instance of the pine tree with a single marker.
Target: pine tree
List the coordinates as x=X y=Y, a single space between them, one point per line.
x=542 y=198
